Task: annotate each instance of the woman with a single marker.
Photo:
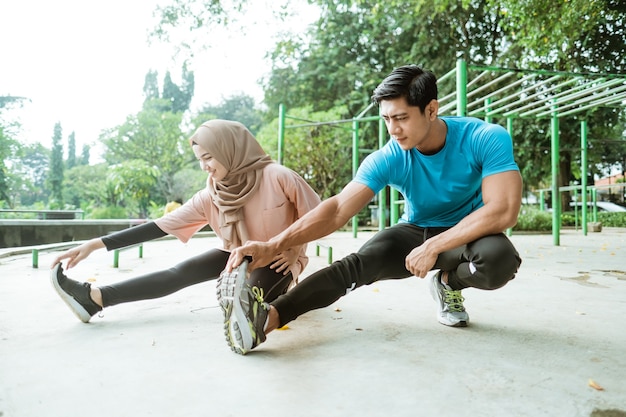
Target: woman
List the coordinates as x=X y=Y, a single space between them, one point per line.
x=247 y=197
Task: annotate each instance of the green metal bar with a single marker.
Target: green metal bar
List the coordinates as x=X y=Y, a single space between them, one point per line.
x=556 y=198
x=461 y=87
x=488 y=118
x=545 y=72
x=542 y=200
x=617 y=99
x=141 y=251
x=395 y=207
x=583 y=179
x=540 y=102
x=447 y=75
x=503 y=90
x=355 y=167
x=590 y=95
x=365 y=110
x=116 y=258
x=575 y=209
x=382 y=195
x=594 y=198
x=35 y=258
x=509 y=128
x=281 y=133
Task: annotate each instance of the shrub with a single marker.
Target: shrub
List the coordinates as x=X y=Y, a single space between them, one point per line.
x=533 y=219
x=109 y=212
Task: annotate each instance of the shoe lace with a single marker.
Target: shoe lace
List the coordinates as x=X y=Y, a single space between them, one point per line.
x=454 y=300
x=258 y=294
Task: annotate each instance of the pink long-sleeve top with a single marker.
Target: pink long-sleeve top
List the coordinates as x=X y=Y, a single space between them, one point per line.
x=282 y=198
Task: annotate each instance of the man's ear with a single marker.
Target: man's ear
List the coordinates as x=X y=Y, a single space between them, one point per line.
x=432 y=109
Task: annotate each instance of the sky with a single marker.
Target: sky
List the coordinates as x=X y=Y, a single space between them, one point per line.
x=83 y=63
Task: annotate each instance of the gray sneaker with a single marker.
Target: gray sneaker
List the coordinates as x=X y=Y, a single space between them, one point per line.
x=245 y=312
x=450 y=303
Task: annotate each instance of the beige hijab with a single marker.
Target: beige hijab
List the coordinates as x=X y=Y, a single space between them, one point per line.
x=233 y=146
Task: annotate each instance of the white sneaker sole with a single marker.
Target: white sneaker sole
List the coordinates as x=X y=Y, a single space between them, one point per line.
x=239 y=334
x=78 y=310
x=441 y=316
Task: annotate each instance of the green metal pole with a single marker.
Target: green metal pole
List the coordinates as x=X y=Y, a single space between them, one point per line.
x=542 y=200
x=488 y=118
x=556 y=198
x=281 y=132
x=509 y=128
x=355 y=167
x=382 y=195
x=594 y=198
x=461 y=87
x=583 y=163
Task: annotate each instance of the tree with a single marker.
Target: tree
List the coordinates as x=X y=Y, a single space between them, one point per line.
x=238 y=107
x=319 y=153
x=151 y=86
x=155 y=137
x=132 y=182
x=354 y=44
x=71 y=151
x=55 y=175
x=179 y=98
x=85 y=155
x=32 y=171
x=9 y=150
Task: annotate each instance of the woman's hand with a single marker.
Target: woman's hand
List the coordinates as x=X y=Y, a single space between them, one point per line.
x=284 y=261
x=77 y=254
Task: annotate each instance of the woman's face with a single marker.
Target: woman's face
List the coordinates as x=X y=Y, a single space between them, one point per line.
x=216 y=171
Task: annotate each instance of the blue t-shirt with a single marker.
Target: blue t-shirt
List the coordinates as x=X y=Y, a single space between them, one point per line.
x=441 y=189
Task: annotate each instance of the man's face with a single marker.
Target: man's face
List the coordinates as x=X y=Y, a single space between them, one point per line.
x=408 y=125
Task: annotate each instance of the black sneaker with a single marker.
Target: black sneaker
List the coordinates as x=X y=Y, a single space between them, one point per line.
x=75 y=294
x=244 y=310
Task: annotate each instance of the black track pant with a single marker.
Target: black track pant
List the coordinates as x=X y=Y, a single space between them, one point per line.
x=201 y=268
x=487 y=263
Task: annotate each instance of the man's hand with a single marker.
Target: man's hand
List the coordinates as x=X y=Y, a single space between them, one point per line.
x=262 y=254
x=420 y=261
x=284 y=261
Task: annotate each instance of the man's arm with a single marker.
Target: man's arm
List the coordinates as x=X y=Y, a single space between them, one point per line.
x=327 y=217
x=502 y=197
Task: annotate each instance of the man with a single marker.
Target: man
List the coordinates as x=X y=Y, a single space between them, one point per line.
x=462 y=189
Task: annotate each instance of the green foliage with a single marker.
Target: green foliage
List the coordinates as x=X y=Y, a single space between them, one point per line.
x=238 y=107
x=71 y=151
x=532 y=219
x=179 y=97
x=55 y=175
x=108 y=212
x=535 y=220
x=609 y=219
x=321 y=154
x=131 y=182
x=154 y=136
x=85 y=185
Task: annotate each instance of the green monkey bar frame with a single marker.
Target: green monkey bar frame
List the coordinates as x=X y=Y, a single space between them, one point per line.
x=490 y=92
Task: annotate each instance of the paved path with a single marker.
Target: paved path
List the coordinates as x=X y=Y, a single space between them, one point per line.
x=530 y=350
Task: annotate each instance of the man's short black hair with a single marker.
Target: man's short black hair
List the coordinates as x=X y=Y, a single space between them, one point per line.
x=417 y=85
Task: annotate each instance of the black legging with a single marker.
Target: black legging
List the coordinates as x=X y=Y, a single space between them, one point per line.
x=487 y=263
x=200 y=268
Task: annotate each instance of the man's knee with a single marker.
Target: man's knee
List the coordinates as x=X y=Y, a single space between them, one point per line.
x=497 y=259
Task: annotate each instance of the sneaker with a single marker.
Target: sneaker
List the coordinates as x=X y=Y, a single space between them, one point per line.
x=451 y=310
x=75 y=294
x=245 y=312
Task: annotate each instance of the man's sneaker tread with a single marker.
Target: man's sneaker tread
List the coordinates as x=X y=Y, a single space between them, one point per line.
x=244 y=310
x=451 y=311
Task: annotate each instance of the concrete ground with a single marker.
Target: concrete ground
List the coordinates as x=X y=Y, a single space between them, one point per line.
x=531 y=349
